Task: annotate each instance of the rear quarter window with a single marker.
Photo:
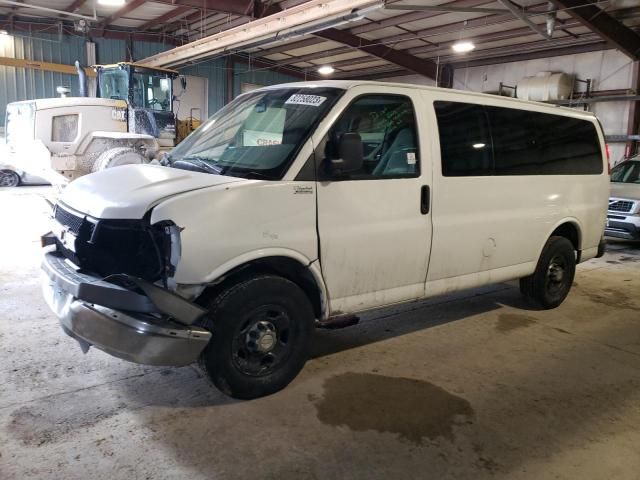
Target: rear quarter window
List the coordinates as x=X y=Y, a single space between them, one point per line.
x=484 y=140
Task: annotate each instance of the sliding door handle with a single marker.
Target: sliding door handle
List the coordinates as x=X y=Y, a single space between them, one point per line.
x=425 y=199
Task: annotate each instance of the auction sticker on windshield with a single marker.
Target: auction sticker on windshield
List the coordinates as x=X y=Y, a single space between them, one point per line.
x=301 y=99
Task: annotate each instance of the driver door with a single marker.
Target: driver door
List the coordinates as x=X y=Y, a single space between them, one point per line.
x=375 y=223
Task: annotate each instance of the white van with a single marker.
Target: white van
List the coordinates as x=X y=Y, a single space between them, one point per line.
x=302 y=203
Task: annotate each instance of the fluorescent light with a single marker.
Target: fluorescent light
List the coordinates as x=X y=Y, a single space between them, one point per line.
x=478 y=146
x=326 y=70
x=463 y=47
x=111 y=3
x=4 y=32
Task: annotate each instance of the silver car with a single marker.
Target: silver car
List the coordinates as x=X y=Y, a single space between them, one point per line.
x=11 y=176
x=623 y=216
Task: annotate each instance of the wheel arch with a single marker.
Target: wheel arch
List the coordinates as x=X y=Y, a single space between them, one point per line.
x=570 y=229
x=290 y=265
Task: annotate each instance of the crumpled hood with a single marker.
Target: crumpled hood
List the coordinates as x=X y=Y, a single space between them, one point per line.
x=129 y=191
x=625 y=190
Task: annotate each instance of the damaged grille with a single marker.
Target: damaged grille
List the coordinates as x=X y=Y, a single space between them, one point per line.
x=68 y=219
x=109 y=247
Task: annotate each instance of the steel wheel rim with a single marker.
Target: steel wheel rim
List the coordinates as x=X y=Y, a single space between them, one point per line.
x=557 y=275
x=8 y=178
x=263 y=341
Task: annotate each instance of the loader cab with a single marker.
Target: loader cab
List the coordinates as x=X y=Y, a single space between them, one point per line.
x=149 y=95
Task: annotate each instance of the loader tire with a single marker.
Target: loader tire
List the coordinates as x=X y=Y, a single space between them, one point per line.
x=116 y=157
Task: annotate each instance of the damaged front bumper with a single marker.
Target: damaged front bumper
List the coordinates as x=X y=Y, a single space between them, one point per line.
x=139 y=322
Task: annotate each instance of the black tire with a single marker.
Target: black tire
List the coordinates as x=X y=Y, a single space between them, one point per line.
x=9 y=178
x=238 y=360
x=551 y=282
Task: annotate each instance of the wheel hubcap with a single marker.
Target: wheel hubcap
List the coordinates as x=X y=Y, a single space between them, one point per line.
x=556 y=275
x=264 y=341
x=262 y=337
x=556 y=272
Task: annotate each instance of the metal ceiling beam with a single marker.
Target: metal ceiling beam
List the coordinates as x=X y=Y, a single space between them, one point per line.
x=444 y=8
x=76 y=5
x=236 y=7
x=431 y=48
x=295 y=21
x=599 y=21
x=261 y=64
x=67 y=29
x=414 y=16
x=519 y=12
x=496 y=59
x=206 y=26
x=307 y=42
x=162 y=19
x=398 y=57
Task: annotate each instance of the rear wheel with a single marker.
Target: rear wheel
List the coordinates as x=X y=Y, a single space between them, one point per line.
x=9 y=178
x=116 y=157
x=549 y=285
x=261 y=329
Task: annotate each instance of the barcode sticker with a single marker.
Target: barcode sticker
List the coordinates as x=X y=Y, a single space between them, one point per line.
x=301 y=99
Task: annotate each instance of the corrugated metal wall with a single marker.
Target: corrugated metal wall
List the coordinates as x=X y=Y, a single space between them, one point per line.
x=216 y=72
x=25 y=84
x=244 y=73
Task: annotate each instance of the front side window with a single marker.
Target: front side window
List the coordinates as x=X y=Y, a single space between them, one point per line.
x=387 y=127
x=257 y=135
x=626 y=172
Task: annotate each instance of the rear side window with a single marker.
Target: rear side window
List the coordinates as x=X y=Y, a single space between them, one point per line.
x=465 y=142
x=484 y=140
x=531 y=143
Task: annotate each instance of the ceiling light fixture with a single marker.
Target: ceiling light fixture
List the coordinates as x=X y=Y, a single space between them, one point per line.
x=111 y=3
x=326 y=70
x=463 y=47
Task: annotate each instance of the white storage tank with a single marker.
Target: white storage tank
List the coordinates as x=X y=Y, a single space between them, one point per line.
x=546 y=86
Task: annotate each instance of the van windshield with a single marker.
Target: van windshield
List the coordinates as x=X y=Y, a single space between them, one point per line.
x=257 y=135
x=626 y=172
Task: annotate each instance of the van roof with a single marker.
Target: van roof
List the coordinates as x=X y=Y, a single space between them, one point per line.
x=347 y=84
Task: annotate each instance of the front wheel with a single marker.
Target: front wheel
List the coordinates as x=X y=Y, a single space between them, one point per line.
x=261 y=329
x=549 y=285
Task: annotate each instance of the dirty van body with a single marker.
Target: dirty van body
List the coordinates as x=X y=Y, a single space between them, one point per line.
x=303 y=203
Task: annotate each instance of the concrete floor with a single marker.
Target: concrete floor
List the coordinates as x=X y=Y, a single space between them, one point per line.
x=477 y=386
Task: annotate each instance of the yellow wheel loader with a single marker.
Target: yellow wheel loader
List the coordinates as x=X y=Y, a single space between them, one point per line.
x=130 y=120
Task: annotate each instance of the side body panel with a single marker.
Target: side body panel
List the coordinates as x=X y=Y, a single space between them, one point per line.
x=238 y=222
x=493 y=228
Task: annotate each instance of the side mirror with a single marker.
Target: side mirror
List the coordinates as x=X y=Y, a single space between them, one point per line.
x=350 y=155
x=183 y=82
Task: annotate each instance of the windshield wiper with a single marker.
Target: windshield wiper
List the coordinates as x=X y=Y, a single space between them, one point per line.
x=250 y=174
x=202 y=162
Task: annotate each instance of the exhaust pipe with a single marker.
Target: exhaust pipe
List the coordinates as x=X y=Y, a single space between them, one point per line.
x=82 y=77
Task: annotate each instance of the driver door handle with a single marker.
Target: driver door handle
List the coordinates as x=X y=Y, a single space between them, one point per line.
x=425 y=199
